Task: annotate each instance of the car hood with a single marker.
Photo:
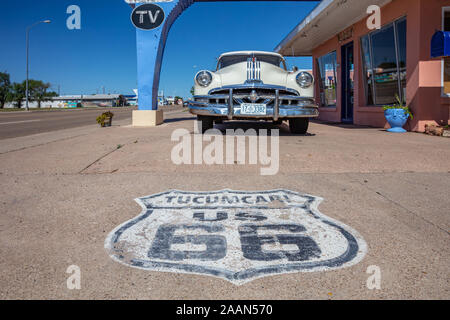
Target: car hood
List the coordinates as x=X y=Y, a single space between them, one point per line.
x=237 y=74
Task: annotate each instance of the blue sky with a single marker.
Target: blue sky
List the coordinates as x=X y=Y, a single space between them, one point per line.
x=103 y=52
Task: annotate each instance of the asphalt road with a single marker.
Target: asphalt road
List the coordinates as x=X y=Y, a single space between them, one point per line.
x=19 y=124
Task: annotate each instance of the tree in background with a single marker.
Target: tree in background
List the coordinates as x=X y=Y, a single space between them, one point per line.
x=178 y=100
x=38 y=91
x=5 y=88
x=192 y=91
x=17 y=94
x=122 y=101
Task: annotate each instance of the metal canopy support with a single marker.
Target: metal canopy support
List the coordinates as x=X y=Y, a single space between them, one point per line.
x=150 y=50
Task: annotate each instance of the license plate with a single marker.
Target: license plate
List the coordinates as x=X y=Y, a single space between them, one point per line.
x=253 y=109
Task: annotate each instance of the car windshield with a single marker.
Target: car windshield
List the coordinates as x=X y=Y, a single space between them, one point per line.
x=227 y=61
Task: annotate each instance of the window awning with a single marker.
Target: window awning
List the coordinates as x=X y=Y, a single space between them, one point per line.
x=440 y=44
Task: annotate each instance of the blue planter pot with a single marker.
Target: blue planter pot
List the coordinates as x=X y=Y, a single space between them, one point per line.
x=396 y=119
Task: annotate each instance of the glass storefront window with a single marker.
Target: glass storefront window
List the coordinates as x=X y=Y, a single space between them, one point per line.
x=327 y=82
x=401 y=41
x=446 y=62
x=384 y=58
x=368 y=72
x=447 y=76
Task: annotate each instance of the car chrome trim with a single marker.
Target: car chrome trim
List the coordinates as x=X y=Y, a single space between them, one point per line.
x=230 y=111
x=230 y=105
x=276 y=107
x=253 y=70
x=254 y=85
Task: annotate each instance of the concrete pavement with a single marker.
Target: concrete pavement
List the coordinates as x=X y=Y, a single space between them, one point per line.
x=62 y=195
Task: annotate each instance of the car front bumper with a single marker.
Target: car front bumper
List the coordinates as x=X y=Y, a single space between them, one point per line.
x=302 y=108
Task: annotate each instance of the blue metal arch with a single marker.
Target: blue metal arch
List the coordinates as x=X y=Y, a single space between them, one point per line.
x=150 y=50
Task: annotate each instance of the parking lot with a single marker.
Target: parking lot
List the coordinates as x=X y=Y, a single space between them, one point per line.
x=64 y=192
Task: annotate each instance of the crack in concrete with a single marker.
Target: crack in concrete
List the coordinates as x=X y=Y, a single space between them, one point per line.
x=44 y=144
x=285 y=174
x=403 y=207
x=102 y=157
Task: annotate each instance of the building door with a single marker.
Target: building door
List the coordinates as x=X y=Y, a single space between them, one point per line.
x=348 y=77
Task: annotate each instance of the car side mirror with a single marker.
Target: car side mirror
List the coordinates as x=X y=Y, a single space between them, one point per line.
x=294 y=69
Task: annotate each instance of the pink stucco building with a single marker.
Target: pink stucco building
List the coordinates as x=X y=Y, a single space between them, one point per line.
x=359 y=68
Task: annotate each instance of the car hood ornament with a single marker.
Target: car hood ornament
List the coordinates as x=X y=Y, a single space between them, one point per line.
x=253 y=96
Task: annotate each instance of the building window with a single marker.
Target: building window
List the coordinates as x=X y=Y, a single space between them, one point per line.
x=327 y=82
x=446 y=60
x=384 y=61
x=367 y=69
x=401 y=44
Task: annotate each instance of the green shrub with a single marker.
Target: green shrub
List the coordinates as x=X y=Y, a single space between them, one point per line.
x=101 y=119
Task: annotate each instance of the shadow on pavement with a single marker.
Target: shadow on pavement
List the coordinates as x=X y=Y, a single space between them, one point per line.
x=246 y=125
x=342 y=125
x=178 y=119
x=258 y=125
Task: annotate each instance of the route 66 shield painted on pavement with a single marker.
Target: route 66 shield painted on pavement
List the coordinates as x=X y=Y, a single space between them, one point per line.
x=235 y=235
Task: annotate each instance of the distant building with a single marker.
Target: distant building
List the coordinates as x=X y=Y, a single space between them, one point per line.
x=170 y=100
x=131 y=99
x=72 y=101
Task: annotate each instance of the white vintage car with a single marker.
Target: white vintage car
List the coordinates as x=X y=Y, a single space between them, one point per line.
x=254 y=85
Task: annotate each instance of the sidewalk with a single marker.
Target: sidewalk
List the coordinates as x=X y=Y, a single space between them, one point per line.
x=62 y=194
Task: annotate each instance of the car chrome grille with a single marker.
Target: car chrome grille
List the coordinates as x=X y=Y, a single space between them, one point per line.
x=265 y=96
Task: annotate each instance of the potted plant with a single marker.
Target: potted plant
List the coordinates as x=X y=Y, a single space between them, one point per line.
x=397 y=115
x=105 y=119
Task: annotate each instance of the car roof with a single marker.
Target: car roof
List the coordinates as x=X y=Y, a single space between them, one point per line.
x=233 y=53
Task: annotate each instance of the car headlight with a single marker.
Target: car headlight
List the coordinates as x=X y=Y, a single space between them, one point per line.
x=204 y=78
x=304 y=79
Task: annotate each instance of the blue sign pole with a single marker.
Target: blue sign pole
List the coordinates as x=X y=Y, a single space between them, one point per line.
x=150 y=50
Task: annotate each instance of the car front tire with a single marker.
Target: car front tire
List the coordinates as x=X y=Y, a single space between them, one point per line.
x=204 y=124
x=299 y=125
